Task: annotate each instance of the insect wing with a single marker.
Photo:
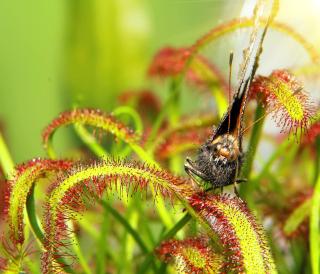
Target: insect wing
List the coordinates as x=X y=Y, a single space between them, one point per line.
x=231 y=123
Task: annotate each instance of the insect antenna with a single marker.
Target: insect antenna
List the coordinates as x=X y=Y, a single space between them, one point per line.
x=229 y=90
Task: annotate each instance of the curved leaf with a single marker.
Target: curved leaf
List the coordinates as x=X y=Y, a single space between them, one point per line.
x=242 y=238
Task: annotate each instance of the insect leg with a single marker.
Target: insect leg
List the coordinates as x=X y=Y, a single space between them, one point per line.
x=236 y=180
x=241 y=180
x=191 y=170
x=235 y=189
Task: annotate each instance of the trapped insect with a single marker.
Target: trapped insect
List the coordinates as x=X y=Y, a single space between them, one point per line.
x=220 y=158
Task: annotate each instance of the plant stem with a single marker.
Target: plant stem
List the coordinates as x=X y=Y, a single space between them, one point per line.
x=174 y=94
x=77 y=250
x=135 y=235
x=128 y=246
x=36 y=227
x=6 y=161
x=32 y=216
x=168 y=235
x=138 y=125
x=278 y=152
x=175 y=161
x=50 y=150
x=317 y=161
x=101 y=243
x=86 y=225
x=126 y=225
x=90 y=141
x=179 y=225
x=246 y=189
x=314 y=239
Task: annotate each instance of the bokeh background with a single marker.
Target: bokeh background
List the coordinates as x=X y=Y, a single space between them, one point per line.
x=55 y=54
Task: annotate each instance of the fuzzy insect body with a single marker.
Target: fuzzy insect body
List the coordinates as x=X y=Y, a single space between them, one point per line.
x=220 y=158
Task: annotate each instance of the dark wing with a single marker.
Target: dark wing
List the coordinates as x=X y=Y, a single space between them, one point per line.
x=235 y=113
x=232 y=121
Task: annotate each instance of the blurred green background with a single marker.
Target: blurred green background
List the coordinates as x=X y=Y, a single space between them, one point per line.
x=54 y=54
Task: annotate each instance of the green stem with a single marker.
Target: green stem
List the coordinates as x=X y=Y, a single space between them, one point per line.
x=138 y=125
x=36 y=227
x=314 y=238
x=90 y=141
x=128 y=228
x=50 y=150
x=127 y=241
x=174 y=94
x=254 y=141
x=276 y=154
x=77 y=250
x=101 y=243
x=32 y=216
x=175 y=161
x=86 y=225
x=286 y=163
x=174 y=230
x=317 y=161
x=246 y=189
x=126 y=225
x=168 y=235
x=6 y=161
x=33 y=266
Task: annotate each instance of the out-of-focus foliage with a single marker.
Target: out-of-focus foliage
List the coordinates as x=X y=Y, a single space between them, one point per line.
x=57 y=53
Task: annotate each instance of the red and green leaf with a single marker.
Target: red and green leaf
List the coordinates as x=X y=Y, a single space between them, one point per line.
x=71 y=193
x=193 y=255
x=285 y=98
x=243 y=241
x=19 y=188
x=89 y=117
x=170 y=62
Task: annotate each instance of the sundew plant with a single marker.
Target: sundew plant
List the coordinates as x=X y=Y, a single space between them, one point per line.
x=124 y=201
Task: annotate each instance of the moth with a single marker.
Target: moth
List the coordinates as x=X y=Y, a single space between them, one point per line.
x=220 y=158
